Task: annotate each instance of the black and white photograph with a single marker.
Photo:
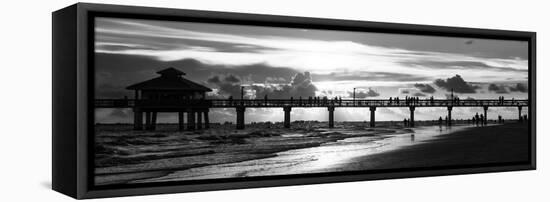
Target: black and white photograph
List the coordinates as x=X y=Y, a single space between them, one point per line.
x=186 y=101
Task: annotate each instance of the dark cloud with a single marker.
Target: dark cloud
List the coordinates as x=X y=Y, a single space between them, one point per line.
x=404 y=91
x=114 y=72
x=227 y=85
x=500 y=89
x=418 y=94
x=425 y=88
x=457 y=84
x=232 y=79
x=214 y=79
x=468 y=42
x=364 y=94
x=519 y=88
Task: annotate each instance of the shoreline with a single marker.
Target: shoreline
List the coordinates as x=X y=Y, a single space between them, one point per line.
x=475 y=145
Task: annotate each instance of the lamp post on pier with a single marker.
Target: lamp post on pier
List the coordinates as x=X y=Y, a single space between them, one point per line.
x=354 y=96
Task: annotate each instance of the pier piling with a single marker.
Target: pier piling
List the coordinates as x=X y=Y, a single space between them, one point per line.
x=147 y=120
x=485 y=108
x=287 y=116
x=138 y=119
x=199 y=120
x=450 y=110
x=331 y=117
x=372 y=118
x=412 y=116
x=519 y=113
x=240 y=118
x=180 y=121
x=154 y=121
x=190 y=120
x=206 y=120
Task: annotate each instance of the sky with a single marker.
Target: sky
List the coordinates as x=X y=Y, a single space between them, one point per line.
x=291 y=62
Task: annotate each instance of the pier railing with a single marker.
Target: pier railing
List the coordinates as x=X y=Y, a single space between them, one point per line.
x=267 y=103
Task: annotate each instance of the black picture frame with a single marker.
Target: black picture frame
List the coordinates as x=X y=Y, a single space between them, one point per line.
x=73 y=72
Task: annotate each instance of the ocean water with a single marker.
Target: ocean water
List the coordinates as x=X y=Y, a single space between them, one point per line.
x=355 y=142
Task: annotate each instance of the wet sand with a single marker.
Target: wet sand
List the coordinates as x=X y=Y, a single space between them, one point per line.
x=477 y=145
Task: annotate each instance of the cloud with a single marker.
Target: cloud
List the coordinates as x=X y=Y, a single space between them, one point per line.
x=457 y=84
x=463 y=65
x=232 y=79
x=500 y=89
x=469 y=42
x=364 y=94
x=418 y=94
x=214 y=79
x=319 y=52
x=519 y=88
x=404 y=90
x=369 y=76
x=226 y=85
x=425 y=88
x=301 y=85
x=114 y=72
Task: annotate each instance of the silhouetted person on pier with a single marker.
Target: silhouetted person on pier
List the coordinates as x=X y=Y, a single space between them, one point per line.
x=525 y=118
x=440 y=121
x=405 y=123
x=500 y=119
x=390 y=100
x=477 y=119
x=482 y=121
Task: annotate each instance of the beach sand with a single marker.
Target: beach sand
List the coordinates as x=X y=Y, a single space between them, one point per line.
x=477 y=145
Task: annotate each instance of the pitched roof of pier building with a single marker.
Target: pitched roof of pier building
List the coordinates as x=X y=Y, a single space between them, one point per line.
x=169 y=79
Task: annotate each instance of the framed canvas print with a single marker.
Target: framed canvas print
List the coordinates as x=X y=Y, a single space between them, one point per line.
x=154 y=100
